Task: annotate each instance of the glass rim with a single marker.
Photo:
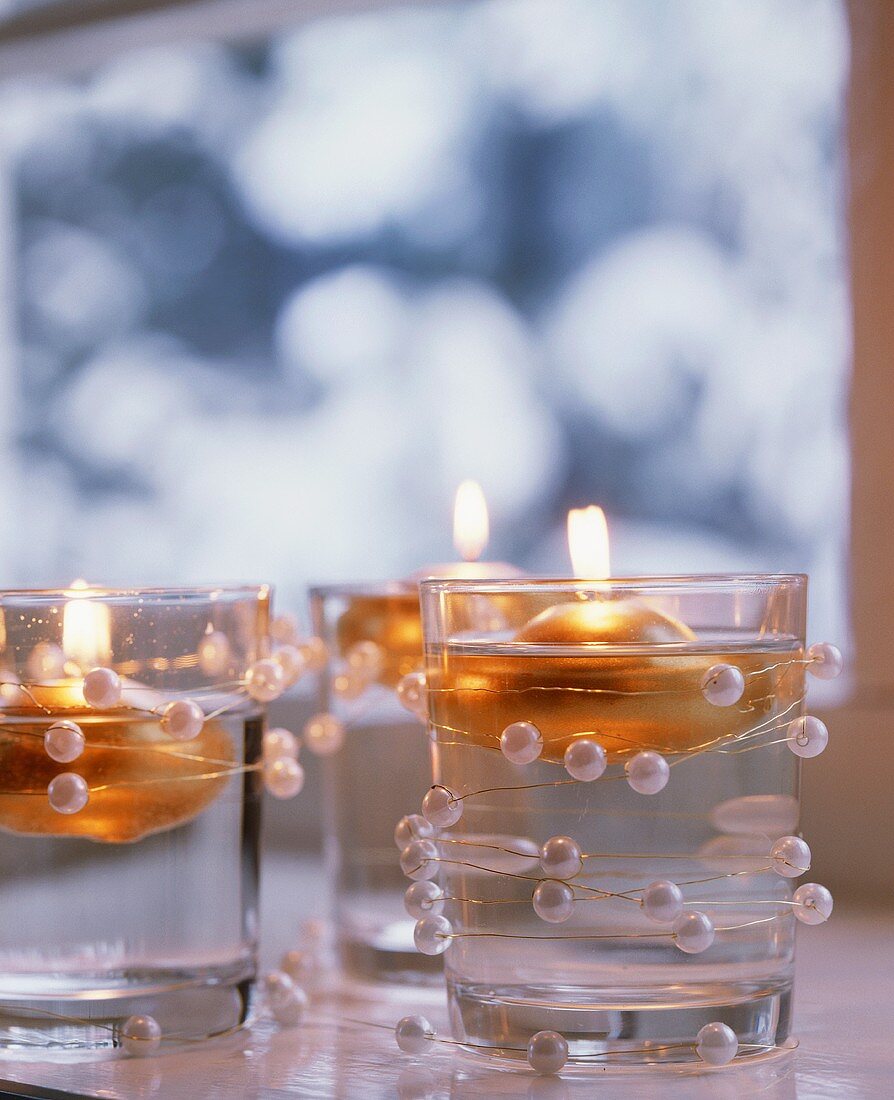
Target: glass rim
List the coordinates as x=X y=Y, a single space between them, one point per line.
x=667 y=581
x=159 y=594
x=364 y=588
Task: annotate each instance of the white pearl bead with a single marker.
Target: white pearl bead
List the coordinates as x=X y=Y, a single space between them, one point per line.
x=264 y=680
x=694 y=932
x=290 y=1011
x=813 y=903
x=183 y=719
x=412 y=693
x=723 y=685
x=315 y=654
x=11 y=694
x=284 y=629
x=414 y=1035
x=716 y=1044
x=214 y=653
x=46 y=662
x=102 y=688
x=547 y=1052
x=280 y=742
x=647 y=772
x=521 y=742
x=431 y=935
x=140 y=1035
x=424 y=899
x=300 y=966
x=366 y=658
x=560 y=857
x=291 y=660
x=64 y=741
x=553 y=901
x=324 y=734
x=585 y=760
x=441 y=807
x=284 y=777
x=419 y=859
x=790 y=856
x=807 y=736
x=411 y=827
x=663 y=902
x=278 y=987
x=68 y=793
x=825 y=660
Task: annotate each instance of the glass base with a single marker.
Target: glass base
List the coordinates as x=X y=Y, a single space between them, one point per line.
x=87 y=1011
x=605 y=1027
x=388 y=954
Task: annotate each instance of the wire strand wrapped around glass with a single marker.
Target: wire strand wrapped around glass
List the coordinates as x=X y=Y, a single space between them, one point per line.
x=131 y=729
x=614 y=810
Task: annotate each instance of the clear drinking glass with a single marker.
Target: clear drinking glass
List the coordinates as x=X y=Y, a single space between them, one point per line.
x=373 y=635
x=690 y=682
x=128 y=836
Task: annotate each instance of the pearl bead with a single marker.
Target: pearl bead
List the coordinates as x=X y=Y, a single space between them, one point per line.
x=553 y=901
x=694 y=932
x=441 y=807
x=521 y=742
x=64 y=741
x=11 y=694
x=424 y=899
x=412 y=693
x=140 y=1035
x=431 y=935
x=183 y=719
x=280 y=742
x=723 y=685
x=825 y=661
x=68 y=793
x=663 y=902
x=214 y=653
x=813 y=903
x=807 y=736
x=585 y=760
x=264 y=680
x=290 y=1011
x=283 y=777
x=790 y=856
x=315 y=654
x=414 y=1035
x=291 y=660
x=547 y=1052
x=102 y=688
x=366 y=658
x=411 y=827
x=46 y=662
x=324 y=734
x=278 y=987
x=716 y=1044
x=284 y=629
x=300 y=966
x=419 y=859
x=647 y=772
x=560 y=857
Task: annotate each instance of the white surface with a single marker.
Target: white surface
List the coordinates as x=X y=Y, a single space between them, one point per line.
x=844 y=1021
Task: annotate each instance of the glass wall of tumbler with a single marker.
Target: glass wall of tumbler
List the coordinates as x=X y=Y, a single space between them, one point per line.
x=376 y=765
x=615 y=797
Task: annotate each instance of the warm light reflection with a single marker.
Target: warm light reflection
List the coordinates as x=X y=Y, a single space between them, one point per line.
x=86 y=628
x=588 y=543
x=471 y=529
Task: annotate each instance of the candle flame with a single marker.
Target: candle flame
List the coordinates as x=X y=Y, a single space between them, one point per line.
x=471 y=529
x=588 y=543
x=86 y=628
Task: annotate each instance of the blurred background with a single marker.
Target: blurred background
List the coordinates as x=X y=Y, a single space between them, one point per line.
x=275 y=275
x=269 y=300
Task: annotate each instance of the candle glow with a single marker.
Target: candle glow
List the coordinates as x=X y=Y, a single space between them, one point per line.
x=471 y=529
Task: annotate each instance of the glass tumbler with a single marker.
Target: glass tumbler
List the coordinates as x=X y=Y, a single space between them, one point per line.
x=615 y=791
x=372 y=776
x=130 y=735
